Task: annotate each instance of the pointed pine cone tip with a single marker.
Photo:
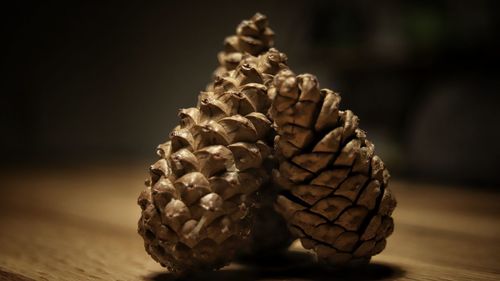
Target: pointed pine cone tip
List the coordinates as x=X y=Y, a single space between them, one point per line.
x=260 y=20
x=254 y=35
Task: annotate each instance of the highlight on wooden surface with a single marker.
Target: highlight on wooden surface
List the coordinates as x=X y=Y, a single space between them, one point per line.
x=80 y=224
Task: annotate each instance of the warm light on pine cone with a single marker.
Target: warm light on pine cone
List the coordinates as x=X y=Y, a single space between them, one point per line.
x=197 y=210
x=209 y=196
x=335 y=196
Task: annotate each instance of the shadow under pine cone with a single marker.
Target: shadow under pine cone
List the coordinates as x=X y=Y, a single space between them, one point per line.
x=291 y=266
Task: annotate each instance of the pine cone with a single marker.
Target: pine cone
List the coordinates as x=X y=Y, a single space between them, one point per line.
x=198 y=207
x=335 y=196
x=253 y=36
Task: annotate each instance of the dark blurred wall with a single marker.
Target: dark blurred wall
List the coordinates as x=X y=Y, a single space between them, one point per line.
x=92 y=79
x=102 y=81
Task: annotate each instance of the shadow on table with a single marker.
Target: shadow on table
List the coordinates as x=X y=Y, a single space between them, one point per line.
x=293 y=266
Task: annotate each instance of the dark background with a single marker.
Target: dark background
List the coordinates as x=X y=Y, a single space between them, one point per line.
x=101 y=82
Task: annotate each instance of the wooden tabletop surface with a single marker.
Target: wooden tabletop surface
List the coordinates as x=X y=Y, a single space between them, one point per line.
x=80 y=224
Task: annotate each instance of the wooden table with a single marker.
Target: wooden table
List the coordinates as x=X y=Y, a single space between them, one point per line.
x=80 y=224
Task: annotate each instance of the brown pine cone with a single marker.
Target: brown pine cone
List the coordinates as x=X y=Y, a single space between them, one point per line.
x=198 y=207
x=335 y=196
x=253 y=36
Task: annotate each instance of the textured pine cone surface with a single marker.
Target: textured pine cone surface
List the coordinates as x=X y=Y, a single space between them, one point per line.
x=334 y=188
x=253 y=36
x=199 y=204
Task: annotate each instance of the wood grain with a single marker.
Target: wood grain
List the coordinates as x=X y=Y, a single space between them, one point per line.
x=80 y=224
